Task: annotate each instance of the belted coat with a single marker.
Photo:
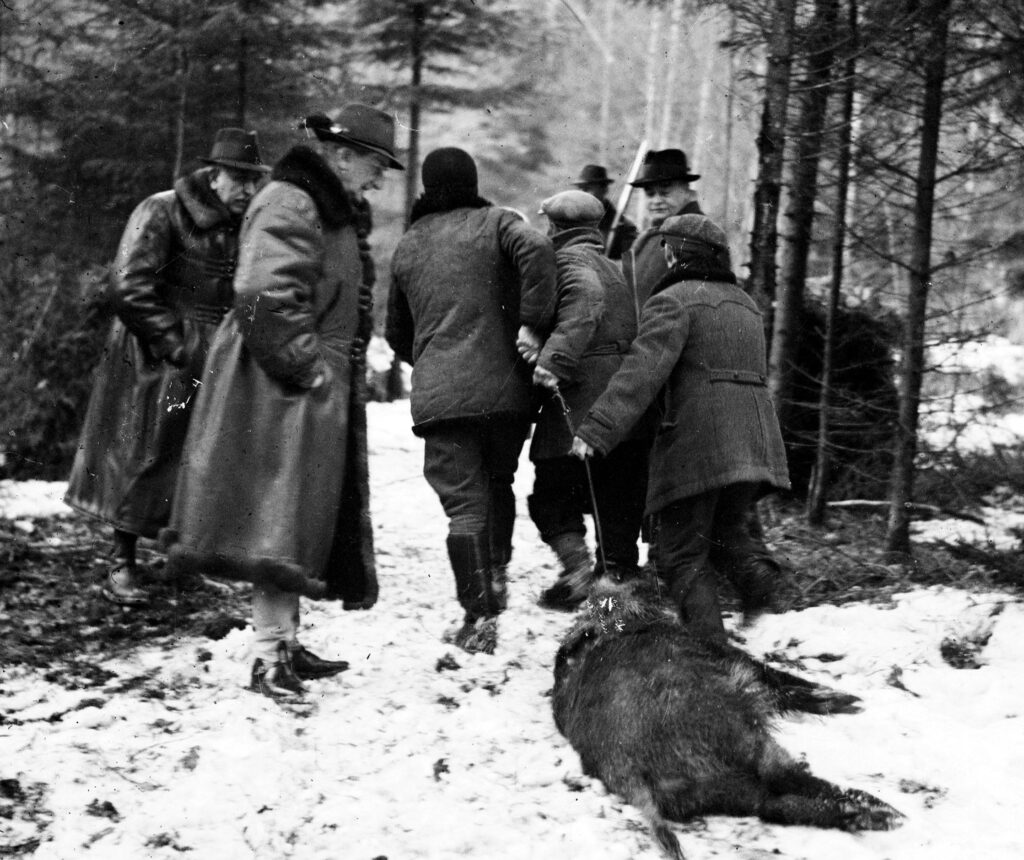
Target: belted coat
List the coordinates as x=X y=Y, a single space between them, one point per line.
x=595 y=324
x=462 y=283
x=274 y=484
x=170 y=285
x=700 y=350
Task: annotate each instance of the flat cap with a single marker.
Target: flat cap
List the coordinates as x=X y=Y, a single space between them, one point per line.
x=573 y=207
x=695 y=228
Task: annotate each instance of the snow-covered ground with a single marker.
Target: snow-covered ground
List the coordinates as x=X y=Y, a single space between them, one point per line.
x=407 y=756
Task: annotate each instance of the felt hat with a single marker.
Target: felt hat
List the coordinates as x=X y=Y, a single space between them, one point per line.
x=592 y=174
x=664 y=165
x=237 y=149
x=361 y=126
x=449 y=167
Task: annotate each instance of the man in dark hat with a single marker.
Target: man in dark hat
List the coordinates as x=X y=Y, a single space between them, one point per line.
x=274 y=486
x=700 y=349
x=594 y=180
x=665 y=179
x=595 y=323
x=467 y=278
x=170 y=287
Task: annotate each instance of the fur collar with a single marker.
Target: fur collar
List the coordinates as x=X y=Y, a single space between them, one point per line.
x=305 y=169
x=446 y=201
x=200 y=201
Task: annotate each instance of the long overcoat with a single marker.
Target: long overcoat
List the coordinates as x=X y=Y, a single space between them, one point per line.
x=170 y=286
x=273 y=485
x=700 y=348
x=595 y=324
x=644 y=263
x=463 y=281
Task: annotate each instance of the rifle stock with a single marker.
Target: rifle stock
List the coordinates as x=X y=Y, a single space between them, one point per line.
x=626 y=193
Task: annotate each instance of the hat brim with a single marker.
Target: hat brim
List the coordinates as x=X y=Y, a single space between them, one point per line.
x=579 y=183
x=237 y=165
x=334 y=137
x=688 y=177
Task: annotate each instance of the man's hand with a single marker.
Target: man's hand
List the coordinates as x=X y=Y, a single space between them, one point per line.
x=528 y=344
x=545 y=378
x=581 y=449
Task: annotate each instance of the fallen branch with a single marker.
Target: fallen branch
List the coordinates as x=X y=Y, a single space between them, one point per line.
x=916 y=508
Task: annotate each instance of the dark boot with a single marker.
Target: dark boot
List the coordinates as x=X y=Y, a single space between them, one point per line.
x=573 y=584
x=308 y=666
x=276 y=680
x=474 y=587
x=121 y=585
x=697 y=598
x=500 y=522
x=754 y=580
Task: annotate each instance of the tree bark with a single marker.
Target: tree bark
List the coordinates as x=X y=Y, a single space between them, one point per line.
x=799 y=216
x=935 y=17
x=242 y=66
x=412 y=169
x=770 y=146
x=817 y=495
x=671 y=69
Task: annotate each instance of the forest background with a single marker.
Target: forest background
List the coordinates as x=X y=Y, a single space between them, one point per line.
x=865 y=157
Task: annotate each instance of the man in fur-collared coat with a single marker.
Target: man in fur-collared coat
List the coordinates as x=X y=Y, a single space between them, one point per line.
x=700 y=348
x=170 y=288
x=274 y=486
x=465 y=277
x=595 y=322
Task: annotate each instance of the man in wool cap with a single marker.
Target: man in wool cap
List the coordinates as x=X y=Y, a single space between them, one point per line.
x=700 y=349
x=465 y=278
x=594 y=325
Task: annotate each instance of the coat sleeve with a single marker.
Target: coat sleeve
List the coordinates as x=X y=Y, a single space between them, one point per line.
x=664 y=330
x=533 y=255
x=279 y=265
x=579 y=308
x=399 y=330
x=139 y=287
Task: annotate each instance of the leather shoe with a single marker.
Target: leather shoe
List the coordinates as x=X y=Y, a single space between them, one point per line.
x=276 y=680
x=307 y=666
x=120 y=587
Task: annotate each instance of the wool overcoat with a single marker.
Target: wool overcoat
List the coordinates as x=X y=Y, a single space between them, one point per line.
x=273 y=485
x=595 y=324
x=644 y=264
x=469 y=277
x=170 y=286
x=700 y=348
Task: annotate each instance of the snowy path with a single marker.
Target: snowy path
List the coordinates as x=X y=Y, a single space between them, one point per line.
x=399 y=758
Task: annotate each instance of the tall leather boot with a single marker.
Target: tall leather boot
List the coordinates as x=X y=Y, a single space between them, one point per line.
x=696 y=595
x=573 y=583
x=754 y=579
x=470 y=559
x=500 y=522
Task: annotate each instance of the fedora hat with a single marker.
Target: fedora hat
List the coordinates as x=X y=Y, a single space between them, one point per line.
x=593 y=174
x=361 y=126
x=238 y=149
x=573 y=207
x=664 y=165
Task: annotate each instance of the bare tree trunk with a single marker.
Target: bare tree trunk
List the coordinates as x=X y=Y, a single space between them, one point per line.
x=671 y=69
x=700 y=134
x=180 y=113
x=242 y=67
x=607 y=22
x=651 y=94
x=817 y=495
x=730 y=98
x=771 y=149
x=799 y=216
x=935 y=15
x=418 y=11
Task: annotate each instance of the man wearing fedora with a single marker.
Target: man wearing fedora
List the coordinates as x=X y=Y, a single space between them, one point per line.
x=700 y=351
x=274 y=484
x=665 y=179
x=170 y=287
x=594 y=180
